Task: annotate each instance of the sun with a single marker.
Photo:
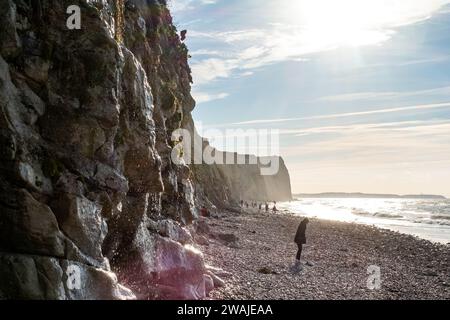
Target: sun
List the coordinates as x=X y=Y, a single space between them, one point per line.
x=334 y=23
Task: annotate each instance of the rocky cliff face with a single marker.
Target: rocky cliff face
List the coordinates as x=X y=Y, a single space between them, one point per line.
x=226 y=184
x=91 y=207
x=247 y=178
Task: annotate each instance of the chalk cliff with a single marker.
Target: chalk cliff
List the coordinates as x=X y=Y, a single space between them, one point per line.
x=226 y=184
x=91 y=206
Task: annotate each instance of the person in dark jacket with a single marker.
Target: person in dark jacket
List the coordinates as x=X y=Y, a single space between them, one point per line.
x=300 y=240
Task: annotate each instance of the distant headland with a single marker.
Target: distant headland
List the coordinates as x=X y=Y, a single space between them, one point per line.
x=368 y=195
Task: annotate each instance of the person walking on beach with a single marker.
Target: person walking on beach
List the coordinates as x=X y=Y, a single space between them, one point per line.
x=267 y=207
x=275 y=208
x=300 y=240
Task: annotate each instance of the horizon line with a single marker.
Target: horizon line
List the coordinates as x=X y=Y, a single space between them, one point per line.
x=372 y=193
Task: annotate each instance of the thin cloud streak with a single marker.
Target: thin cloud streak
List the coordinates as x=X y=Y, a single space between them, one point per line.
x=178 y=6
x=357 y=96
x=202 y=97
x=373 y=127
x=349 y=114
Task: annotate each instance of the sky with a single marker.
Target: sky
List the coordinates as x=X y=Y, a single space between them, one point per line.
x=358 y=89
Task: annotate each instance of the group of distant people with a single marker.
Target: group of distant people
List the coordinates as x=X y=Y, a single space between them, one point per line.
x=259 y=205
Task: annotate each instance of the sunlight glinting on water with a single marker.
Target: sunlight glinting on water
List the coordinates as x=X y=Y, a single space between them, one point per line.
x=428 y=219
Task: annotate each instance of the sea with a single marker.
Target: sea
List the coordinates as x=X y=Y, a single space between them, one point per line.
x=425 y=218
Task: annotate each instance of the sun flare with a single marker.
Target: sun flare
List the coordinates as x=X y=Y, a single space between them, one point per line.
x=336 y=23
x=333 y=23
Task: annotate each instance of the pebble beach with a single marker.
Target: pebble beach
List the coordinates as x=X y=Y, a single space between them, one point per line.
x=255 y=253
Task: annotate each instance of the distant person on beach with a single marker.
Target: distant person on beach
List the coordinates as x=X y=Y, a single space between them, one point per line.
x=242 y=203
x=300 y=240
x=275 y=208
x=260 y=207
x=267 y=207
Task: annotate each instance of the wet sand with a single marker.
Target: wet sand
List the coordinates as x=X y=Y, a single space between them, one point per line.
x=335 y=260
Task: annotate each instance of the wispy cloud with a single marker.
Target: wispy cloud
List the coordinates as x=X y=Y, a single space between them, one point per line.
x=213 y=68
x=180 y=5
x=202 y=97
x=429 y=127
x=358 y=96
x=251 y=49
x=349 y=114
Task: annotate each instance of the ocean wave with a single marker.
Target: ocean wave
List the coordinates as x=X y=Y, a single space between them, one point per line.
x=432 y=222
x=430 y=218
x=433 y=208
x=388 y=215
x=361 y=212
x=440 y=217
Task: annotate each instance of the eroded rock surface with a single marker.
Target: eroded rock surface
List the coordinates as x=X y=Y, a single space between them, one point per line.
x=91 y=206
x=86 y=121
